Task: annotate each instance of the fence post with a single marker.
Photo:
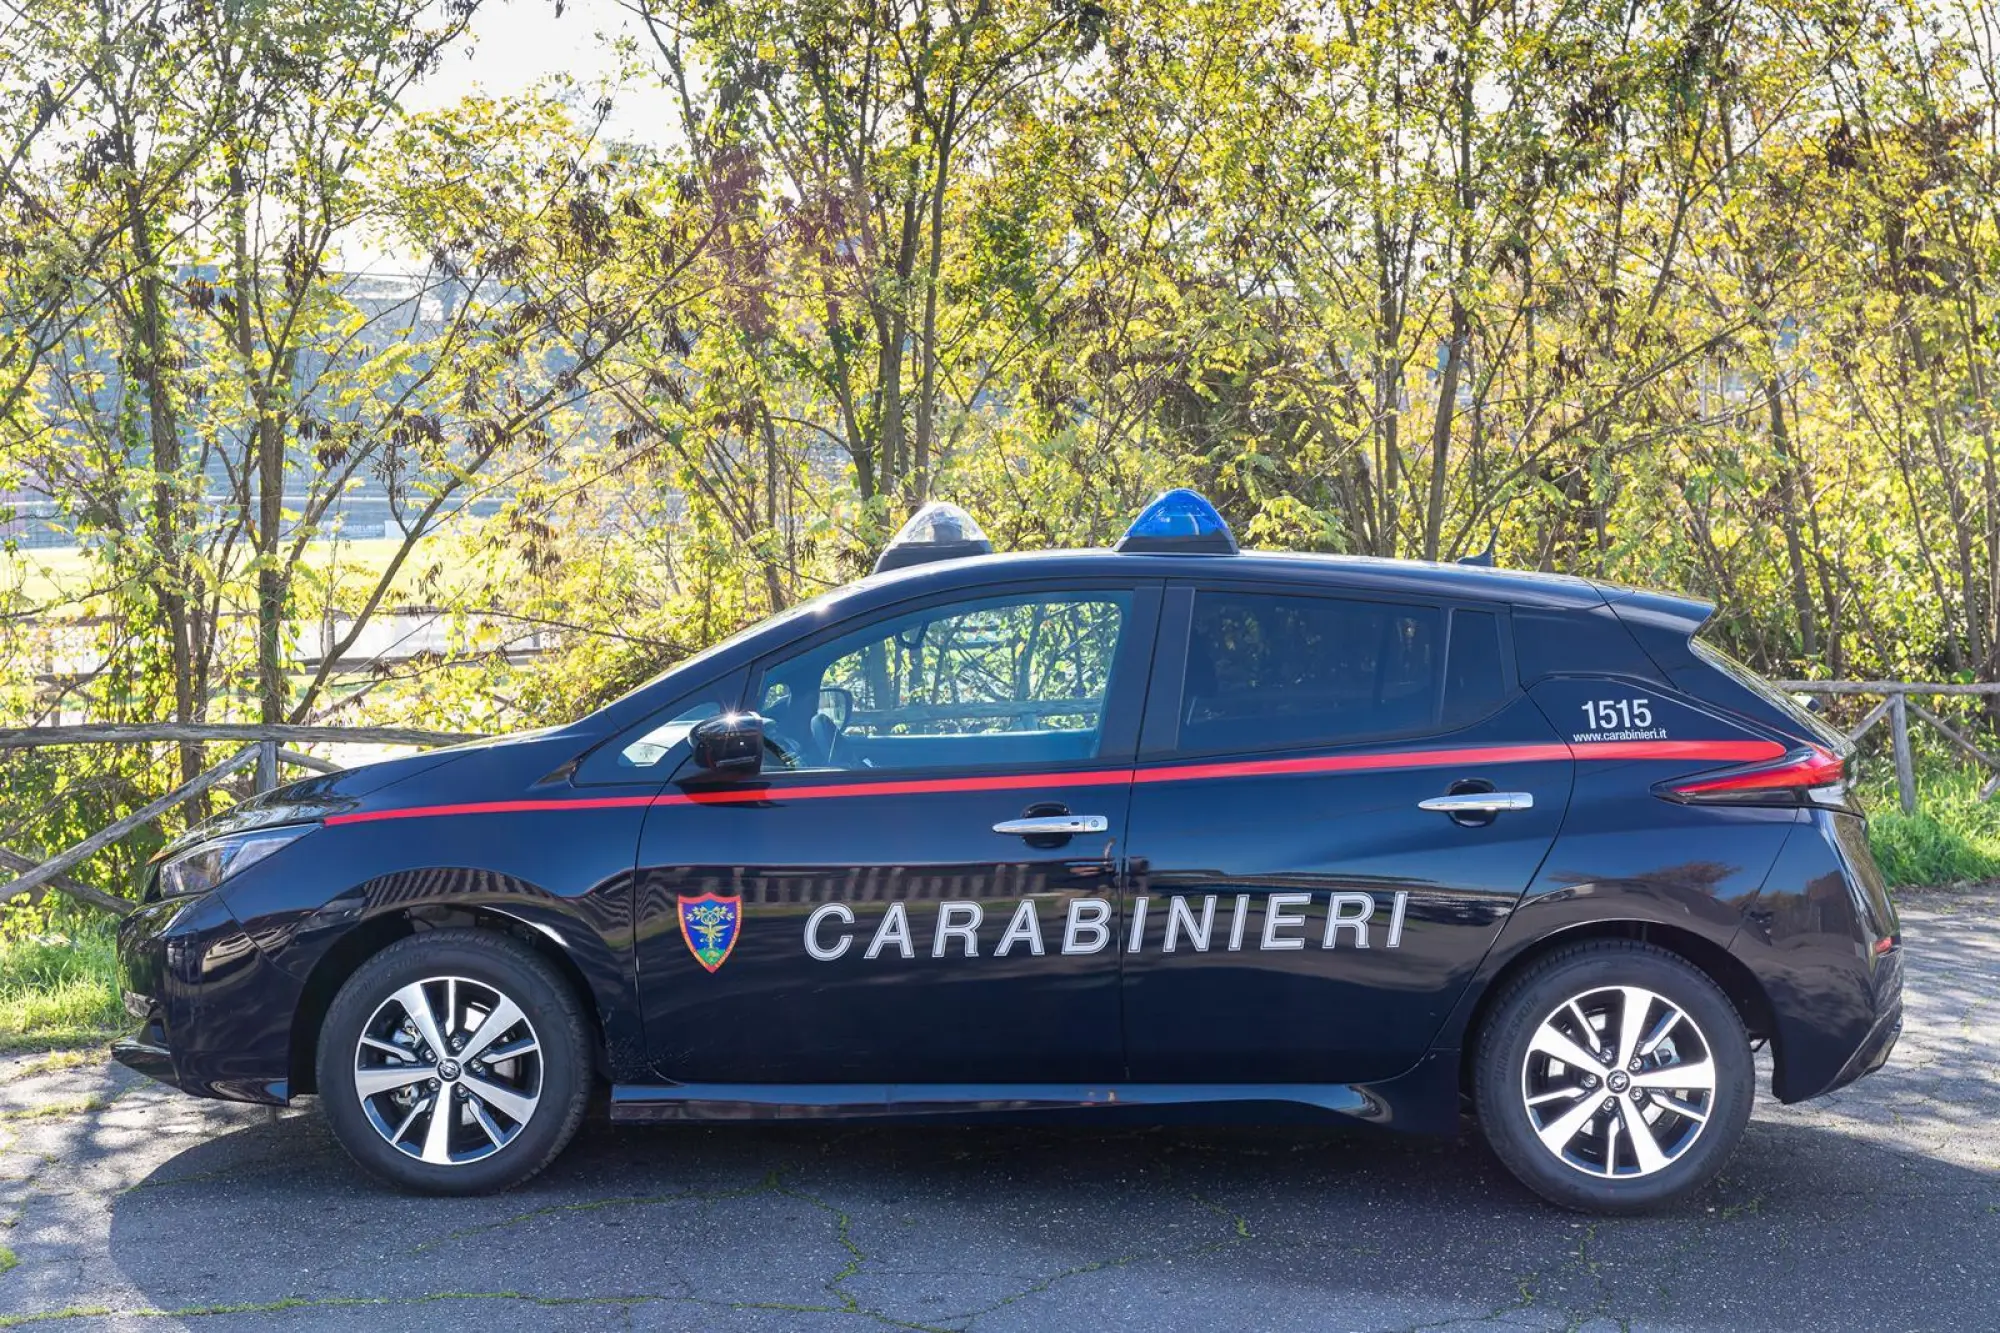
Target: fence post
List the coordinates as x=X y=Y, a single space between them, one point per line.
x=1899 y=731
x=267 y=765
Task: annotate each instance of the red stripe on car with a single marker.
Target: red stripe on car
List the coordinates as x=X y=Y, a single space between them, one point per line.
x=1714 y=751
x=1739 y=752
x=489 y=808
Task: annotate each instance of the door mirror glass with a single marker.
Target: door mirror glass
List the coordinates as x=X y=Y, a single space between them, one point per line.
x=731 y=745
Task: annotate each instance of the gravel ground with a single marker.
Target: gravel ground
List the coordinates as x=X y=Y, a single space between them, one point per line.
x=128 y=1205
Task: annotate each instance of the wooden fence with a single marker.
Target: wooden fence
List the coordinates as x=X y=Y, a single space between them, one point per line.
x=1898 y=707
x=266 y=749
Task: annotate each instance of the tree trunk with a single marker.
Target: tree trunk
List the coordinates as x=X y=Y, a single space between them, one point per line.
x=920 y=444
x=1788 y=496
x=170 y=575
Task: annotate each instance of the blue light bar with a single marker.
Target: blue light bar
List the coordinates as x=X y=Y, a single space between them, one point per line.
x=1178 y=522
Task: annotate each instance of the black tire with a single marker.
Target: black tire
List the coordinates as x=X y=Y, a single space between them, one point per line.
x=473 y=959
x=1574 y=1173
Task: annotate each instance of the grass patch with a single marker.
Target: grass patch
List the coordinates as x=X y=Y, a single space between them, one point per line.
x=57 y=1110
x=56 y=1062
x=58 y=991
x=1951 y=838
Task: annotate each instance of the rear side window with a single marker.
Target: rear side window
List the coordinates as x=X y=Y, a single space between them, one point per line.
x=1267 y=670
x=1475 y=682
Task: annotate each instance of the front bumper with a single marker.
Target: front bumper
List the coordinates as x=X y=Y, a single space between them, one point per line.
x=214 y=1014
x=200 y=1073
x=146 y=1051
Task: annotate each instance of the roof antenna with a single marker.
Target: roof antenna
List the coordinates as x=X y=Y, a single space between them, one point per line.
x=1485 y=558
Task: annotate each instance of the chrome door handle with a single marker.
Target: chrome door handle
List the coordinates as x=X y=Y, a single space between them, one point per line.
x=1479 y=802
x=1053 y=825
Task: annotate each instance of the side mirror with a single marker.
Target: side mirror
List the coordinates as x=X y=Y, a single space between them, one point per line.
x=730 y=745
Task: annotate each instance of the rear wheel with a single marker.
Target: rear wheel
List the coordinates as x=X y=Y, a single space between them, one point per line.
x=454 y=1062
x=1613 y=1077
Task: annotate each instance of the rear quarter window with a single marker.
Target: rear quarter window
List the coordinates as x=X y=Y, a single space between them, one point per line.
x=1584 y=641
x=1475 y=680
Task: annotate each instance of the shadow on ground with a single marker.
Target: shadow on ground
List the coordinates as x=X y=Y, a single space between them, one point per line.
x=1004 y=1228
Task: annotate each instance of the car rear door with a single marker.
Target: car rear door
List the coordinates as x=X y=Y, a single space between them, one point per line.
x=1304 y=905
x=861 y=913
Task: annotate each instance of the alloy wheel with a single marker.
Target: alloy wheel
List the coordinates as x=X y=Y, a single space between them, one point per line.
x=448 y=1070
x=1619 y=1082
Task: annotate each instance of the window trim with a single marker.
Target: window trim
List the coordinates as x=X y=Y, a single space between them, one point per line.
x=1160 y=734
x=1125 y=688
x=1510 y=679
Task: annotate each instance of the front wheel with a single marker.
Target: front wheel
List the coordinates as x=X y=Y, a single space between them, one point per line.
x=1613 y=1077
x=454 y=1062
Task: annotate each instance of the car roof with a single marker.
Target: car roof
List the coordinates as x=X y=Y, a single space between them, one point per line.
x=1354 y=573
x=1359 y=572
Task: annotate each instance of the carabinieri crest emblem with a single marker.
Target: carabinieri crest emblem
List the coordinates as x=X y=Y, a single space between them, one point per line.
x=709 y=924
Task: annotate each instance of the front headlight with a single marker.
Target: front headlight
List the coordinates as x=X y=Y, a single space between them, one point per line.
x=205 y=865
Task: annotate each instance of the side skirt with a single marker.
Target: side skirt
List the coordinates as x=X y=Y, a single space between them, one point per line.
x=1424 y=1100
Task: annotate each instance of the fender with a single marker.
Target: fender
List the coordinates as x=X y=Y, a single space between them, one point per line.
x=586 y=936
x=1701 y=898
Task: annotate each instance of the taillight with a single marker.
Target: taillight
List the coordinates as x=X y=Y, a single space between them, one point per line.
x=1809 y=775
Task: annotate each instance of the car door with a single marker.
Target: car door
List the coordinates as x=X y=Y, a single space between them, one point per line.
x=1302 y=909
x=869 y=910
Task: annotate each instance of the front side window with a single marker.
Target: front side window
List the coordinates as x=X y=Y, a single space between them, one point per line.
x=1003 y=680
x=1268 y=671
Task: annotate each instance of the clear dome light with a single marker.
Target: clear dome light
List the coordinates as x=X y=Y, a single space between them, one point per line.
x=938 y=531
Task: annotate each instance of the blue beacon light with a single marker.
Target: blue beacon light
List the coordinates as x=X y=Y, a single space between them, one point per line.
x=1178 y=522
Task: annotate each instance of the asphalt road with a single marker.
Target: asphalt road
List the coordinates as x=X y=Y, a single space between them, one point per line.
x=131 y=1206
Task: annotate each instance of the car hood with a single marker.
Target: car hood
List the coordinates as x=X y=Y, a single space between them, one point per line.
x=334 y=793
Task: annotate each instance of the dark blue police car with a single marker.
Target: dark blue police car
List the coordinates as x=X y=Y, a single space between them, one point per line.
x=1165 y=829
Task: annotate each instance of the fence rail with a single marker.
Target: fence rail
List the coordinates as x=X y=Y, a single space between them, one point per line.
x=266 y=749
x=263 y=750
x=1898 y=708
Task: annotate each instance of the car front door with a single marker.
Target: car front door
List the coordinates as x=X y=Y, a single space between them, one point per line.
x=1302 y=909
x=870 y=909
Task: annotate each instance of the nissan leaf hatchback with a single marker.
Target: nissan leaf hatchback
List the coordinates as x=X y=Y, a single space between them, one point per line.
x=1101 y=833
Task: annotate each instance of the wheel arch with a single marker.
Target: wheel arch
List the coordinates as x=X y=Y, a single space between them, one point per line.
x=376 y=933
x=1736 y=981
